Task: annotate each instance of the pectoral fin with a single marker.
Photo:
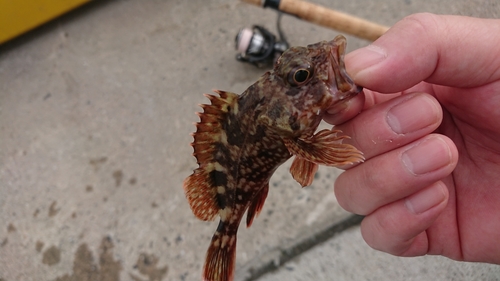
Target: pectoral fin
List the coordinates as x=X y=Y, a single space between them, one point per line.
x=325 y=148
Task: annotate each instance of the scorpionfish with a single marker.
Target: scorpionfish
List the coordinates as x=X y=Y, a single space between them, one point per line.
x=242 y=139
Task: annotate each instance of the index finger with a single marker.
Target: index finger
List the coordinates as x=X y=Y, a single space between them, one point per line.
x=447 y=50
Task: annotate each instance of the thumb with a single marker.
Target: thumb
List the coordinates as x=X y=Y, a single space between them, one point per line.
x=447 y=50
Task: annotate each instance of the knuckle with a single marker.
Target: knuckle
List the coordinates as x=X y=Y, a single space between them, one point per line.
x=382 y=232
x=422 y=23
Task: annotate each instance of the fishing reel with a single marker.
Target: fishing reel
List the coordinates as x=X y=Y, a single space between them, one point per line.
x=260 y=47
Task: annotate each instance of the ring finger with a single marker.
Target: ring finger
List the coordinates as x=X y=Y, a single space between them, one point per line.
x=397 y=174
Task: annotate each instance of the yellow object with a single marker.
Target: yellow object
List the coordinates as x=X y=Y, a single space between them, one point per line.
x=19 y=16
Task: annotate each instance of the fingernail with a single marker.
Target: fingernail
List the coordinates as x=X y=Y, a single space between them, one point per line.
x=426 y=199
x=413 y=114
x=362 y=59
x=429 y=155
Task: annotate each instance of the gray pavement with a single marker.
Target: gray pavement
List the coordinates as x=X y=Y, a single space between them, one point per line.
x=346 y=257
x=96 y=109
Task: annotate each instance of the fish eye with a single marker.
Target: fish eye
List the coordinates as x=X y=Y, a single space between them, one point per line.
x=299 y=76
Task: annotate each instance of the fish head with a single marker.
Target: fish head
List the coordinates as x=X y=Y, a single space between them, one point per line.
x=306 y=81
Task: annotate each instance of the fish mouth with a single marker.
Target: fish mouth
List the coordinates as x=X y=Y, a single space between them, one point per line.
x=341 y=85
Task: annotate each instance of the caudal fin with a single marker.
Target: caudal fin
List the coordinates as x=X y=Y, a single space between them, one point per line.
x=220 y=260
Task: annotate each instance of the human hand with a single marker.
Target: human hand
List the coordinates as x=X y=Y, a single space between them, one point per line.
x=431 y=180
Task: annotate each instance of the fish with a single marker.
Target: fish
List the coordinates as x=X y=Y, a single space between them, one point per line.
x=241 y=140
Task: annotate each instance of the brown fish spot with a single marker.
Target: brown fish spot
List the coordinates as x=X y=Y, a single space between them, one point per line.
x=147 y=265
x=51 y=256
x=52 y=209
x=219 y=178
x=118 y=176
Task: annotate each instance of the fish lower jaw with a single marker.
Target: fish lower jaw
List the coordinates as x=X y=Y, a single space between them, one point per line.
x=344 y=96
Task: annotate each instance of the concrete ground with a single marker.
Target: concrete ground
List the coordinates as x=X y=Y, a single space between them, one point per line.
x=96 y=109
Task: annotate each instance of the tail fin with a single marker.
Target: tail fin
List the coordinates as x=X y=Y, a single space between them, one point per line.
x=221 y=256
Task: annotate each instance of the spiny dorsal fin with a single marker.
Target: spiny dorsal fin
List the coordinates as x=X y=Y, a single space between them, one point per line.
x=209 y=130
x=200 y=188
x=325 y=148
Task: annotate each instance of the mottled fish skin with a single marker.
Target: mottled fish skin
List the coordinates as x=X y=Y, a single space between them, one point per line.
x=241 y=140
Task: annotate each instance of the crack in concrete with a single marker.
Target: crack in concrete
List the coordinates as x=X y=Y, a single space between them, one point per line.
x=274 y=259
